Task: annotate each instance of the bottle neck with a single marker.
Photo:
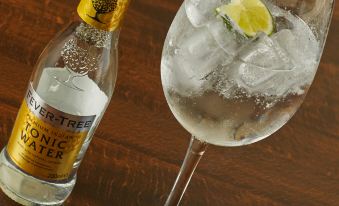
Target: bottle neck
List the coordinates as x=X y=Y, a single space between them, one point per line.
x=96 y=37
x=85 y=48
x=105 y=15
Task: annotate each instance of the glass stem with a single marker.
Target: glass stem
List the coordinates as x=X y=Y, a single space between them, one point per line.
x=194 y=153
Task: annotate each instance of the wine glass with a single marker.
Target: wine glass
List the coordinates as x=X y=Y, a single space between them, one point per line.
x=231 y=89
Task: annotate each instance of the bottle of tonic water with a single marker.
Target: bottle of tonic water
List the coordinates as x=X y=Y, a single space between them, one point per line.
x=67 y=95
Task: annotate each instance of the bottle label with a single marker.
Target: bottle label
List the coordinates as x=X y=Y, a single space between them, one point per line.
x=45 y=142
x=103 y=14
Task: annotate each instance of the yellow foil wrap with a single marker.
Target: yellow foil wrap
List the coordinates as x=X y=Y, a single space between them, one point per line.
x=103 y=14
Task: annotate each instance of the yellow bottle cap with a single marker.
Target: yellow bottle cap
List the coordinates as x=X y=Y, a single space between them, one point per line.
x=103 y=14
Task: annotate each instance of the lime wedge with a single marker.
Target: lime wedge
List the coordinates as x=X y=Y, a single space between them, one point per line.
x=247 y=17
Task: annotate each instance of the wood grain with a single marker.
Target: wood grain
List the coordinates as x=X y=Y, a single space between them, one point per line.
x=139 y=146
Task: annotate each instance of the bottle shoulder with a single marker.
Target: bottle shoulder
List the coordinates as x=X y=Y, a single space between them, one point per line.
x=77 y=57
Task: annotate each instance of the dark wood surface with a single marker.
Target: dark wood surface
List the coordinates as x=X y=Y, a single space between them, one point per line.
x=138 y=148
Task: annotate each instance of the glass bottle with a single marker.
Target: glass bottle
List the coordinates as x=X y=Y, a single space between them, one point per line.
x=67 y=95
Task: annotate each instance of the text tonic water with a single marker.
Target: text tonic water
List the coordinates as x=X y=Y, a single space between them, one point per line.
x=67 y=95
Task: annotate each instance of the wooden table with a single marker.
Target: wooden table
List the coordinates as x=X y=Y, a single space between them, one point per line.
x=139 y=146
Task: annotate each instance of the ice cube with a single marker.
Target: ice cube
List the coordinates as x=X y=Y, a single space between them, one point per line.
x=253 y=76
x=174 y=76
x=200 y=12
x=263 y=52
x=261 y=66
x=287 y=41
x=282 y=23
x=257 y=80
x=194 y=59
x=198 y=43
x=224 y=38
x=201 y=54
x=181 y=27
x=300 y=46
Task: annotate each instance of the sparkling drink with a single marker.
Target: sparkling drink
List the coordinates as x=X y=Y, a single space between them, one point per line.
x=230 y=90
